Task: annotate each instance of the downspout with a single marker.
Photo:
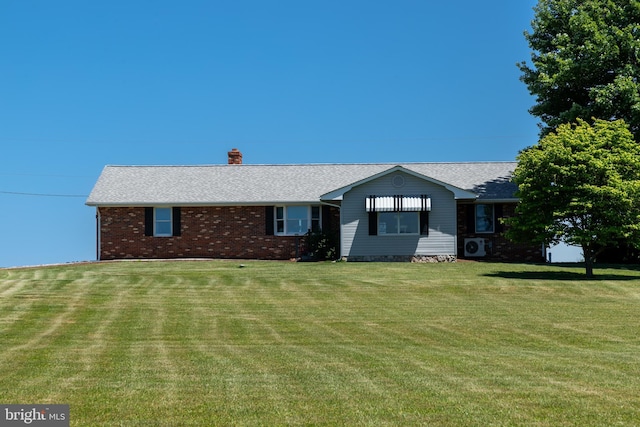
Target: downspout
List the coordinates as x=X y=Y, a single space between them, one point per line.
x=98 y=233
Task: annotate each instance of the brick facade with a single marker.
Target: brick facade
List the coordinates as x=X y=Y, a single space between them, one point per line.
x=237 y=232
x=498 y=247
x=240 y=232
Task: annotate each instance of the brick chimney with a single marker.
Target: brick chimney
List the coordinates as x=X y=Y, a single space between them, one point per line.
x=235 y=157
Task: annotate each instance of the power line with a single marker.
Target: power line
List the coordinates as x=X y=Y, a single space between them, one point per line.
x=44 y=175
x=16 y=193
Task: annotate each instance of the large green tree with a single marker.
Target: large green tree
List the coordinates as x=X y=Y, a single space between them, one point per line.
x=585 y=62
x=580 y=184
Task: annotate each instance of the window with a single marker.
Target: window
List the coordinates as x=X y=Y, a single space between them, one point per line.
x=162 y=222
x=484 y=219
x=398 y=223
x=398 y=215
x=315 y=219
x=297 y=220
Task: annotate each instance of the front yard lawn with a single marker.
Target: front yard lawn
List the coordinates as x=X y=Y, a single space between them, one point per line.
x=278 y=343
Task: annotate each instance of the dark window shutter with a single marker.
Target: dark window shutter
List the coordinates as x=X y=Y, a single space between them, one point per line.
x=424 y=223
x=373 y=224
x=148 y=221
x=268 y=220
x=326 y=218
x=176 y=221
x=498 y=214
x=471 y=218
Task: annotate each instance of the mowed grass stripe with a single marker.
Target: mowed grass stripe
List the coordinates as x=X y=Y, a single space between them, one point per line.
x=209 y=343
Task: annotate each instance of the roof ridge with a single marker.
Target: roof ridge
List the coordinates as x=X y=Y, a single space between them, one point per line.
x=221 y=165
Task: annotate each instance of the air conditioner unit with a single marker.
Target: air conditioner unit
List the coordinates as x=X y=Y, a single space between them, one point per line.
x=474 y=247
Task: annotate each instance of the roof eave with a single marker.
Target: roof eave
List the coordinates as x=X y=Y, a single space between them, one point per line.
x=498 y=200
x=199 y=204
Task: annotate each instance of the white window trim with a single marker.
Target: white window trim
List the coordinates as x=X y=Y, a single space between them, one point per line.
x=155 y=222
x=284 y=219
x=417 y=214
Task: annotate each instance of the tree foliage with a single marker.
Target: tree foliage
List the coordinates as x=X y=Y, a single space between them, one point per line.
x=580 y=184
x=586 y=62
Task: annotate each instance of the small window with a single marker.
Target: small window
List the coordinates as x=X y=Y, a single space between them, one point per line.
x=315 y=219
x=394 y=223
x=297 y=220
x=484 y=219
x=280 y=220
x=162 y=222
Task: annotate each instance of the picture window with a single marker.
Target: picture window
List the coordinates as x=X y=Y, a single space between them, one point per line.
x=297 y=220
x=398 y=223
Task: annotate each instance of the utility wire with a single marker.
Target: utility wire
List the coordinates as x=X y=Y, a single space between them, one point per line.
x=16 y=193
x=44 y=175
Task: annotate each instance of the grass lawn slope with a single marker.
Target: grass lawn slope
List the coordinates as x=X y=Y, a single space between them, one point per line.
x=277 y=343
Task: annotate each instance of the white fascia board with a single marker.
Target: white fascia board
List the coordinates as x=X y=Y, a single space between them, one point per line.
x=201 y=204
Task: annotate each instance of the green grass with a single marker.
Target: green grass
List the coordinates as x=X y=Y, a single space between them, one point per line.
x=209 y=343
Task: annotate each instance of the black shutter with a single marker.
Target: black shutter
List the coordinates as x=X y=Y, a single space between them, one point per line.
x=148 y=221
x=176 y=221
x=498 y=214
x=471 y=218
x=268 y=220
x=424 y=223
x=373 y=224
x=326 y=218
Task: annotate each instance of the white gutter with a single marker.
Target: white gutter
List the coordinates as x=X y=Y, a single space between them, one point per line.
x=98 y=234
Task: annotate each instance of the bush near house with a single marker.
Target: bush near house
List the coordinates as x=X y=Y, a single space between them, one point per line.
x=322 y=246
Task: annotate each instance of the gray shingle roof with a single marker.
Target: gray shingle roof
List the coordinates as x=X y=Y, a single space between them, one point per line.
x=272 y=184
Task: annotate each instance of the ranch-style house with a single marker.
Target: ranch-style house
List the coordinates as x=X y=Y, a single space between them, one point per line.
x=381 y=212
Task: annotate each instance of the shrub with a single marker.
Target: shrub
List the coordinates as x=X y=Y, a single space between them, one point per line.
x=321 y=245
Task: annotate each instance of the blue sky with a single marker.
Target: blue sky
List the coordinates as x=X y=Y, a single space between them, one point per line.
x=84 y=84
